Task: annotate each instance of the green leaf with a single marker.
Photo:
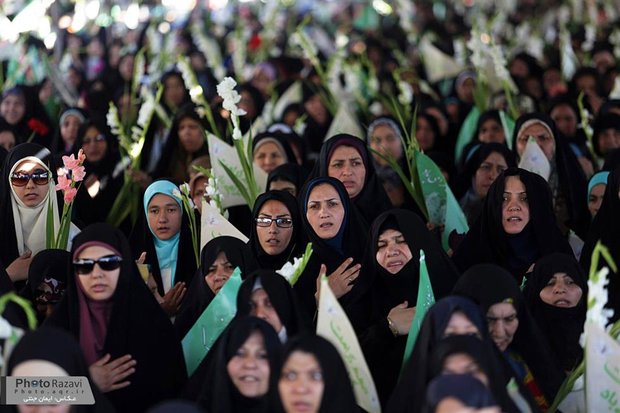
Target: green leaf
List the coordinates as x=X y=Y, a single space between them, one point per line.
x=237 y=182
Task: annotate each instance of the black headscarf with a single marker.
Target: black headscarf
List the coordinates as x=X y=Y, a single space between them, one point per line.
x=487 y=241
x=338 y=393
x=606 y=228
x=199 y=295
x=219 y=394
x=8 y=241
x=49 y=267
x=475 y=141
x=107 y=171
x=295 y=246
x=372 y=200
x=136 y=326
x=174 y=159
x=388 y=289
x=282 y=297
x=408 y=395
x=464 y=387
x=572 y=182
x=465 y=191
x=290 y=172
x=60 y=348
x=476 y=350
x=349 y=242
x=488 y=284
x=561 y=326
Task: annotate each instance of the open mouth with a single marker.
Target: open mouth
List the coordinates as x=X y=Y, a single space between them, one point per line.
x=562 y=303
x=249 y=379
x=99 y=288
x=514 y=219
x=273 y=241
x=326 y=225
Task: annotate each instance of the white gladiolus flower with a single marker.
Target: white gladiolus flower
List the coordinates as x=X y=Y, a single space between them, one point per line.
x=176 y=193
x=499 y=63
x=113 y=120
x=226 y=90
x=597 y=299
x=406 y=93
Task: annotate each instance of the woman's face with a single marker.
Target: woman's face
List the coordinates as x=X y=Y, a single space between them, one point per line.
x=94 y=145
x=595 y=199
x=387 y=142
x=393 y=252
x=219 y=272
x=174 y=91
x=13 y=108
x=515 y=207
x=460 y=325
x=261 y=307
x=565 y=119
x=487 y=172
x=315 y=108
x=247 y=103
x=69 y=129
x=561 y=291
x=32 y=194
x=463 y=363
x=274 y=239
x=248 y=369
x=165 y=216
x=269 y=156
x=301 y=383
x=325 y=211
x=7 y=140
x=544 y=139
x=347 y=166
x=608 y=140
x=491 y=131
x=503 y=323
x=98 y=284
x=191 y=135
x=424 y=134
x=199 y=192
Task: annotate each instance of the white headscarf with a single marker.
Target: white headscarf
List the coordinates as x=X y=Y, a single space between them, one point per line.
x=31 y=222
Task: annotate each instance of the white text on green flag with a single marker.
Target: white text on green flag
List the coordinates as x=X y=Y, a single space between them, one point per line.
x=211 y=323
x=334 y=325
x=426 y=299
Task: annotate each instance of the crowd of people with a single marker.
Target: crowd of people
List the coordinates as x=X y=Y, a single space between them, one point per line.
x=511 y=293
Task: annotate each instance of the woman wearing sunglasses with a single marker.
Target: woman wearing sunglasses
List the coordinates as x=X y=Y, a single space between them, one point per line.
x=127 y=341
x=26 y=194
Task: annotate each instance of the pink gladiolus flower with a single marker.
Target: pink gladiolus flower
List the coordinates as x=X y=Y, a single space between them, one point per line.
x=64 y=183
x=69 y=195
x=81 y=156
x=78 y=174
x=70 y=162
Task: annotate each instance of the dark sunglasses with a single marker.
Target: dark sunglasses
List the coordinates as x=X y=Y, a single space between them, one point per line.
x=21 y=178
x=280 y=222
x=107 y=263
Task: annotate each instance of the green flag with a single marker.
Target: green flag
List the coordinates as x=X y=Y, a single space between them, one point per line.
x=440 y=201
x=426 y=299
x=467 y=131
x=211 y=323
x=508 y=124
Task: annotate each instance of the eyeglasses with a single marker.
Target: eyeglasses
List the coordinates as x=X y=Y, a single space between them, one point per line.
x=280 y=222
x=21 y=178
x=107 y=263
x=98 y=138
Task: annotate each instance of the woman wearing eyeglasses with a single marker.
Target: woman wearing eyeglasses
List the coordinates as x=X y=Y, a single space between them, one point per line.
x=276 y=235
x=126 y=339
x=26 y=194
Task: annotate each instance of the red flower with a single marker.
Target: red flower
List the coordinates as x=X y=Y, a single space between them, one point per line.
x=37 y=126
x=255 y=42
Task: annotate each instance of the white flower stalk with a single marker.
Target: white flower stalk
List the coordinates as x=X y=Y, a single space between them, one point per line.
x=210 y=50
x=226 y=90
x=300 y=39
x=147 y=108
x=292 y=271
x=240 y=52
x=213 y=192
x=499 y=63
x=114 y=122
x=588 y=43
x=477 y=47
x=138 y=70
x=597 y=299
x=405 y=97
